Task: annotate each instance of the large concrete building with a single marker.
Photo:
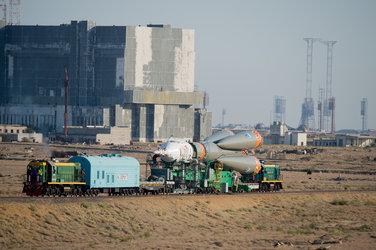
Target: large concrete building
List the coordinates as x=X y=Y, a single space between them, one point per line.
x=140 y=77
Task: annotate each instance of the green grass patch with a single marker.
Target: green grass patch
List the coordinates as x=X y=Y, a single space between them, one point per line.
x=112 y=235
x=313 y=225
x=247 y=226
x=365 y=228
x=338 y=231
x=306 y=158
x=300 y=230
x=340 y=202
x=147 y=234
x=370 y=203
x=219 y=213
x=261 y=227
x=32 y=208
x=203 y=226
x=298 y=212
x=86 y=205
x=247 y=209
x=126 y=239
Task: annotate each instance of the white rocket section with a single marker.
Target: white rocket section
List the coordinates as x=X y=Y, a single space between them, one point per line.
x=175 y=151
x=230 y=153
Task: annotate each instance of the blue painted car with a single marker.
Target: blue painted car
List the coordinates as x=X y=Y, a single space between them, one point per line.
x=109 y=171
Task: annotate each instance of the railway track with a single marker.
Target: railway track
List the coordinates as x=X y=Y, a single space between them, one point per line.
x=101 y=198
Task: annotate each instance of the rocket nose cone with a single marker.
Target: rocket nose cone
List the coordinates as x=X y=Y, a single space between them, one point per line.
x=240 y=141
x=168 y=156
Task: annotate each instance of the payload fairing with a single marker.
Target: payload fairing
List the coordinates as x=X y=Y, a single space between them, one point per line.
x=223 y=146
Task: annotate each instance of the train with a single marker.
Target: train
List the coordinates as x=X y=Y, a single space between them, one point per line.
x=217 y=165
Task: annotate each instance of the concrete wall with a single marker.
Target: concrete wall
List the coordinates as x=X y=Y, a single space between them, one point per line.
x=278 y=128
x=354 y=140
x=32 y=137
x=163 y=97
x=117 y=136
x=159 y=57
x=202 y=124
x=141 y=77
x=50 y=118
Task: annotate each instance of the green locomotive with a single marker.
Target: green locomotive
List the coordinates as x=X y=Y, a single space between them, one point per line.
x=53 y=178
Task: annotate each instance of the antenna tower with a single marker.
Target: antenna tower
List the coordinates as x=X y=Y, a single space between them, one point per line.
x=223 y=117
x=363 y=113
x=308 y=113
x=332 y=108
x=328 y=92
x=320 y=108
x=14 y=12
x=279 y=109
x=3 y=9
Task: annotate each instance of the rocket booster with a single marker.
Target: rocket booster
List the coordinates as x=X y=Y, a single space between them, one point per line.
x=222 y=146
x=241 y=141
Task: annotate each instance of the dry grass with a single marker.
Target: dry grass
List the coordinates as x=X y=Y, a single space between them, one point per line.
x=261 y=221
x=191 y=222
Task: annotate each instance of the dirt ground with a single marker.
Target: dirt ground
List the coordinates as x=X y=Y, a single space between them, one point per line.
x=342 y=219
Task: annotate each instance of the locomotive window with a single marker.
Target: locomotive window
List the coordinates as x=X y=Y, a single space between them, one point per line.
x=98 y=174
x=113 y=178
x=108 y=178
x=102 y=174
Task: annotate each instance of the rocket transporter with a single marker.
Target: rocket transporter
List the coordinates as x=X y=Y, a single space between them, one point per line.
x=216 y=158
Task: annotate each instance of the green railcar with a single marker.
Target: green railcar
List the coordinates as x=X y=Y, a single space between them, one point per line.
x=212 y=178
x=52 y=178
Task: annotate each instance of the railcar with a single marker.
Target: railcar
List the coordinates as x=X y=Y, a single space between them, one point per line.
x=53 y=178
x=114 y=174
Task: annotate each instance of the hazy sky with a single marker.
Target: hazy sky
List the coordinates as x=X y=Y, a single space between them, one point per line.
x=247 y=52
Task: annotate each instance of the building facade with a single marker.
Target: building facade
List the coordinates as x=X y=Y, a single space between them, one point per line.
x=147 y=71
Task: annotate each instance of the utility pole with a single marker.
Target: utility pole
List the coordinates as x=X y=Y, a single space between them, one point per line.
x=66 y=104
x=363 y=113
x=223 y=117
x=320 y=108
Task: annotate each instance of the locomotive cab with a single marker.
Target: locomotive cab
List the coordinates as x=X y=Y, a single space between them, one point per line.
x=35 y=177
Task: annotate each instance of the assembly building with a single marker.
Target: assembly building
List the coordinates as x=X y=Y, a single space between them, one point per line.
x=119 y=76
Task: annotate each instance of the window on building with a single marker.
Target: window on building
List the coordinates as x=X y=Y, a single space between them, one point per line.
x=18 y=131
x=6 y=130
x=11 y=131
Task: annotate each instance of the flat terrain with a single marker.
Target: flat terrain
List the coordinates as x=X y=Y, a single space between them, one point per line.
x=303 y=215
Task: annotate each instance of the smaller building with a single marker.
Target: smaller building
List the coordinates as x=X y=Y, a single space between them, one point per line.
x=9 y=133
x=295 y=138
x=96 y=134
x=279 y=134
x=354 y=140
x=324 y=141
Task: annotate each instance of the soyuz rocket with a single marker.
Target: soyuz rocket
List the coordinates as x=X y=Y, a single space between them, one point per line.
x=223 y=146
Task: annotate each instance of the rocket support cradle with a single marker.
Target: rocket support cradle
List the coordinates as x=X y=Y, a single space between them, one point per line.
x=223 y=146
